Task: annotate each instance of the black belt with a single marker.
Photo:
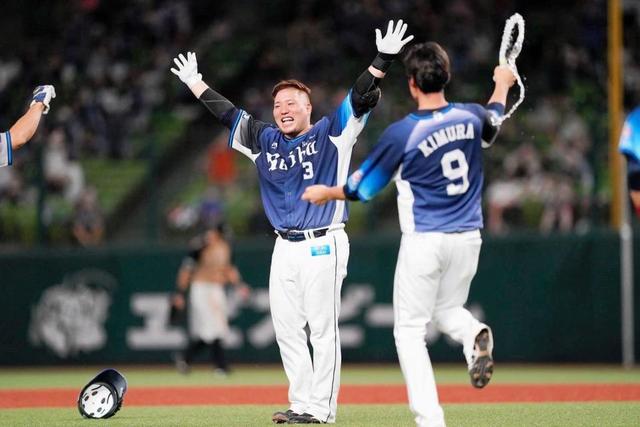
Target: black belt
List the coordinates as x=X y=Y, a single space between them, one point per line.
x=298 y=236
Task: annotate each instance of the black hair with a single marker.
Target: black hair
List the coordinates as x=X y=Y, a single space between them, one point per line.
x=428 y=64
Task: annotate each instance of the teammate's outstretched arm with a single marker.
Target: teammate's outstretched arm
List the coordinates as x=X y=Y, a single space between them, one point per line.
x=321 y=194
x=25 y=127
x=504 y=79
x=365 y=92
x=371 y=177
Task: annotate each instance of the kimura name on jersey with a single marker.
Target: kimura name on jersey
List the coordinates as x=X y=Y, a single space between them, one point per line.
x=445 y=136
x=297 y=155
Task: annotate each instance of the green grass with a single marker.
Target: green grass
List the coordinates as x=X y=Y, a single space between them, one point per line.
x=351 y=374
x=517 y=415
x=506 y=414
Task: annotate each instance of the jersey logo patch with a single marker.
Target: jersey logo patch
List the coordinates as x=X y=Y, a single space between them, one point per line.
x=295 y=156
x=320 y=250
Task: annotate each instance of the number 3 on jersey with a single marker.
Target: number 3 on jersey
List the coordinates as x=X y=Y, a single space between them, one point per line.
x=308 y=170
x=455 y=167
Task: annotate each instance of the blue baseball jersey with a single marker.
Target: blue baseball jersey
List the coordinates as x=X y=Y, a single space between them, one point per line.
x=630 y=136
x=287 y=166
x=435 y=158
x=6 y=153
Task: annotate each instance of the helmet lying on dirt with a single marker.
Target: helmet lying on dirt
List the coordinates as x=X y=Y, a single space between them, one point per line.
x=103 y=396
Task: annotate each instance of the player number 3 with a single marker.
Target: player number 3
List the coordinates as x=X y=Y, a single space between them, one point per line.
x=455 y=167
x=308 y=170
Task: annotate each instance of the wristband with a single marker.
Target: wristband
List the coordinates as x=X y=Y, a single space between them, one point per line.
x=383 y=61
x=350 y=195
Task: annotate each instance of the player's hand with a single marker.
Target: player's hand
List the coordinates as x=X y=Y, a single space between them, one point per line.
x=503 y=75
x=178 y=301
x=392 y=42
x=187 y=69
x=316 y=194
x=43 y=94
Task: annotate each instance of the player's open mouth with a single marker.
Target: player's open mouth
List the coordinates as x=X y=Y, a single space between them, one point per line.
x=286 y=119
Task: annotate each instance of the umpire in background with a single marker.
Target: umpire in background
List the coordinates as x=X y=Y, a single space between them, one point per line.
x=201 y=281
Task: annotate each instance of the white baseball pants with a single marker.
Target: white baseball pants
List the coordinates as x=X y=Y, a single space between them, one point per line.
x=432 y=280
x=208 y=312
x=304 y=288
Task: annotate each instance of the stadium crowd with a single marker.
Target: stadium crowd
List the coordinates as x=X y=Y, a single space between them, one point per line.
x=109 y=69
x=547 y=172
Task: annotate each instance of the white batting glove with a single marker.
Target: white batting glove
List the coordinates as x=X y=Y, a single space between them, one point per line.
x=43 y=94
x=392 y=42
x=187 y=69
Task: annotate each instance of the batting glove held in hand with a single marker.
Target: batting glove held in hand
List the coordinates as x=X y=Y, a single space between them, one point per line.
x=392 y=42
x=187 y=69
x=43 y=94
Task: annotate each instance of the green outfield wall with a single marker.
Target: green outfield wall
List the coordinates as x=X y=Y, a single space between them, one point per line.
x=548 y=299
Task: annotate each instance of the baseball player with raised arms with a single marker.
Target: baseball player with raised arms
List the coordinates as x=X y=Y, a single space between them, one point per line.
x=309 y=260
x=630 y=148
x=434 y=155
x=23 y=129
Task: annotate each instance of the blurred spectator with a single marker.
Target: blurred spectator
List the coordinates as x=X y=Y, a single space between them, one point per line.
x=60 y=173
x=10 y=184
x=88 y=222
x=112 y=68
x=221 y=167
x=518 y=182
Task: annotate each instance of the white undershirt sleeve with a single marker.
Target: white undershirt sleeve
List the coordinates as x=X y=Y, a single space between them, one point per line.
x=6 y=153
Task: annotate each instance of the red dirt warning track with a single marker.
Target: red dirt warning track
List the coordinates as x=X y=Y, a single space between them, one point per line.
x=354 y=394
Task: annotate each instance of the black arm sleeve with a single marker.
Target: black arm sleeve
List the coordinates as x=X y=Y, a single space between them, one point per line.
x=489 y=131
x=491 y=125
x=365 y=94
x=219 y=106
x=350 y=195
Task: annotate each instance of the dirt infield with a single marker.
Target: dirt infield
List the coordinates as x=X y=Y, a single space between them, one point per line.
x=354 y=394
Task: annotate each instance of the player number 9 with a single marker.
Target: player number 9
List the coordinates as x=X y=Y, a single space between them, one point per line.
x=460 y=171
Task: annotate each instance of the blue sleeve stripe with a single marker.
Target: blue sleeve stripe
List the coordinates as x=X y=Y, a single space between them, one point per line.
x=497 y=107
x=370 y=182
x=235 y=125
x=628 y=151
x=345 y=111
x=9 y=148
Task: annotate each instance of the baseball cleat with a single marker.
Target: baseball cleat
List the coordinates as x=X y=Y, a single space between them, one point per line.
x=482 y=362
x=283 y=417
x=304 y=419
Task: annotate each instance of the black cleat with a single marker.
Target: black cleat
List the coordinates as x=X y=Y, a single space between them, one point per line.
x=304 y=419
x=482 y=362
x=283 y=417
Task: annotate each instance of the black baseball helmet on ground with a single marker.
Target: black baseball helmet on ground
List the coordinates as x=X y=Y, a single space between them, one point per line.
x=103 y=396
